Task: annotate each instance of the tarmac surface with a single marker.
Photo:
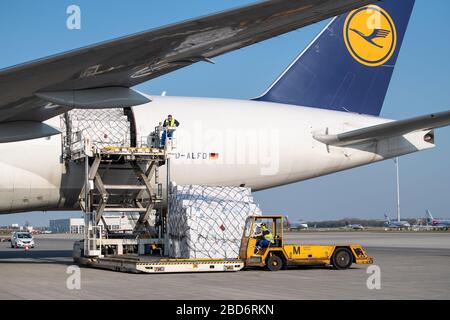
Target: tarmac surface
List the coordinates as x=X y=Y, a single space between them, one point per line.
x=413 y=265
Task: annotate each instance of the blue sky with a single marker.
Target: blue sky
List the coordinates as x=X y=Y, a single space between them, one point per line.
x=420 y=85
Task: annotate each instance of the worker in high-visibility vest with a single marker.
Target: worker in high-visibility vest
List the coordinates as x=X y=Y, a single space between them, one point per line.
x=265 y=239
x=170 y=122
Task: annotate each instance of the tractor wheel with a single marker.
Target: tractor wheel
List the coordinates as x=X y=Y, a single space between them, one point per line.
x=274 y=263
x=342 y=259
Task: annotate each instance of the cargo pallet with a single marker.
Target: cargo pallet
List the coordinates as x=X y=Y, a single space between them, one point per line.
x=148 y=264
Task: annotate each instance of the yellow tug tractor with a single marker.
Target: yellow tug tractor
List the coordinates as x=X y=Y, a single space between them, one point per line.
x=278 y=255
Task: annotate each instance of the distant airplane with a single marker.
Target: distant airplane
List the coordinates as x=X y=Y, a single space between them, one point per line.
x=397 y=224
x=355 y=226
x=295 y=225
x=441 y=223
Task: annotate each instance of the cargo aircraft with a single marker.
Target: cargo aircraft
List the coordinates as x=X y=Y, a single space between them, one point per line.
x=320 y=116
x=395 y=224
x=439 y=223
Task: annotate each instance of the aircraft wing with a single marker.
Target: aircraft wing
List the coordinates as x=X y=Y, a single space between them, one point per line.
x=386 y=130
x=100 y=75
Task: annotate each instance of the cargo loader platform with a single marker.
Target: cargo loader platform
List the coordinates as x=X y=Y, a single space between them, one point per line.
x=149 y=264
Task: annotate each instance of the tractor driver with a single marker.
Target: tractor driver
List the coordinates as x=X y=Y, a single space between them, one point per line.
x=265 y=238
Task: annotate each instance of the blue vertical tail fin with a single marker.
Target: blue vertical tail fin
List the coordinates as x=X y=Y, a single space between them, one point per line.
x=348 y=67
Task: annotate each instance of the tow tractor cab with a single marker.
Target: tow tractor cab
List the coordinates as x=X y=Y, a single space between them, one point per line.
x=279 y=255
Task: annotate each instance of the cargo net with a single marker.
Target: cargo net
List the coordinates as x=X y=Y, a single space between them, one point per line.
x=208 y=222
x=105 y=127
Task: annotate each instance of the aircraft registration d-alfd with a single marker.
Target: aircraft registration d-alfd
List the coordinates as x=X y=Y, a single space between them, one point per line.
x=319 y=117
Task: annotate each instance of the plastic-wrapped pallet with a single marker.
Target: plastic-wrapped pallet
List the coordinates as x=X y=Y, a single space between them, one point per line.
x=208 y=222
x=105 y=127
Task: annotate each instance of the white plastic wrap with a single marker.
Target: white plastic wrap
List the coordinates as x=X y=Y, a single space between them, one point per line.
x=208 y=222
x=105 y=127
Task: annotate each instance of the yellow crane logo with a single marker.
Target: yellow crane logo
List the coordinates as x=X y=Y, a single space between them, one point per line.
x=370 y=35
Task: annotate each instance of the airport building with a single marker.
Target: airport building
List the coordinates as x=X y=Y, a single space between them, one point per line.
x=76 y=225
x=71 y=225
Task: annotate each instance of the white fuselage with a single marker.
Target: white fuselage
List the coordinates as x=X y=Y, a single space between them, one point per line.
x=219 y=142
